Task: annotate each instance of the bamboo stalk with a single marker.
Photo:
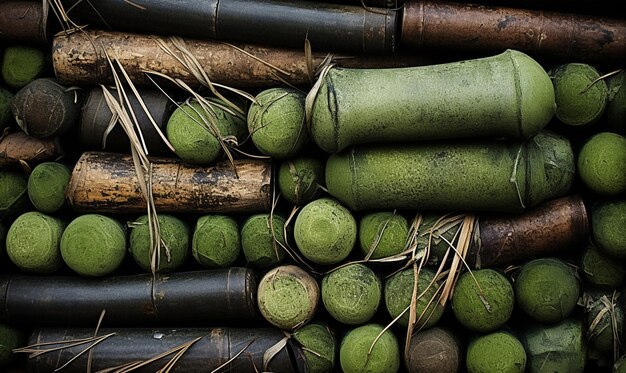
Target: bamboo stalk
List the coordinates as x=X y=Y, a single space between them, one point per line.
x=107 y=182
x=79 y=58
x=470 y=27
x=181 y=298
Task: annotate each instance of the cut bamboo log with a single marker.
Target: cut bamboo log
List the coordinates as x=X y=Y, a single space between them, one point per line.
x=546 y=230
x=469 y=27
x=80 y=58
x=209 y=348
x=107 y=182
x=17 y=147
x=179 y=298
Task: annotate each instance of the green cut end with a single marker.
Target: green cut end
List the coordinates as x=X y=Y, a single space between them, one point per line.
x=581 y=96
x=602 y=163
x=602 y=270
x=194 y=131
x=608 y=220
x=174 y=235
x=354 y=356
x=21 y=65
x=616 y=107
x=325 y=231
x=496 y=352
x=288 y=297
x=263 y=239
x=319 y=347
x=483 y=300
x=13 y=194
x=547 y=289
x=216 y=241
x=560 y=347
x=46 y=186
x=399 y=291
x=276 y=122
x=93 y=245
x=32 y=242
x=351 y=294
x=299 y=179
x=384 y=232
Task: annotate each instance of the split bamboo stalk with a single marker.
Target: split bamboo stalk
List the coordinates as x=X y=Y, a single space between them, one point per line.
x=80 y=59
x=107 y=182
x=470 y=27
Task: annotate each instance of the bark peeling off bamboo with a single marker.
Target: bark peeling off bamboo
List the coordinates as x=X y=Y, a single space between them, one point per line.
x=181 y=298
x=470 y=26
x=209 y=349
x=107 y=182
x=79 y=58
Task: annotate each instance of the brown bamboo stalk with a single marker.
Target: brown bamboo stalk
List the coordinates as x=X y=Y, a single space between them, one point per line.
x=471 y=27
x=79 y=58
x=107 y=182
x=548 y=229
x=17 y=147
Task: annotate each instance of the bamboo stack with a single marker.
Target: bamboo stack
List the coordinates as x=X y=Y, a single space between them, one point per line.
x=376 y=140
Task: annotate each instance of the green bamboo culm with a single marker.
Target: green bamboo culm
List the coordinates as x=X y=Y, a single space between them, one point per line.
x=479 y=175
x=505 y=95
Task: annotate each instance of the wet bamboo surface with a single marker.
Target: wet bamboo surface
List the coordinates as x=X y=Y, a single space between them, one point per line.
x=240 y=349
x=107 y=182
x=205 y=297
x=469 y=27
x=80 y=58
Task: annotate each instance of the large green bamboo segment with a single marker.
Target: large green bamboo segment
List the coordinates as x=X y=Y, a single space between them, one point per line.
x=486 y=175
x=506 y=95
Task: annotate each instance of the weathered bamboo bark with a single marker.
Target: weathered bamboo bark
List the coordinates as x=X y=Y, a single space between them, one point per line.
x=180 y=298
x=284 y=23
x=23 y=21
x=470 y=27
x=214 y=347
x=554 y=226
x=80 y=58
x=17 y=147
x=107 y=182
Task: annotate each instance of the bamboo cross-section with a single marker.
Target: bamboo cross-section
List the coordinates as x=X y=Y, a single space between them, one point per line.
x=107 y=182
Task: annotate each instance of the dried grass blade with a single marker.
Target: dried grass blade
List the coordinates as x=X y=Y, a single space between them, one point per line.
x=269 y=354
x=176 y=350
x=461 y=252
x=234 y=357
